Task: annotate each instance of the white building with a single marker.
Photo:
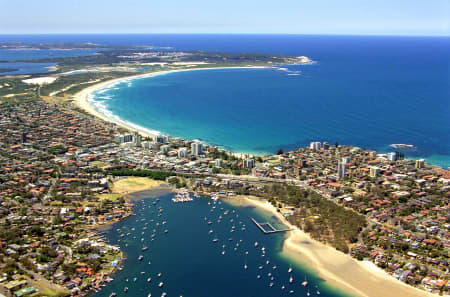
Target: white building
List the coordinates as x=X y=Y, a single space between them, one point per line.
x=196 y=148
x=316 y=145
x=341 y=170
x=165 y=149
x=146 y=145
x=123 y=138
x=183 y=153
x=392 y=156
x=218 y=163
x=374 y=171
x=137 y=139
x=420 y=163
x=346 y=160
x=249 y=163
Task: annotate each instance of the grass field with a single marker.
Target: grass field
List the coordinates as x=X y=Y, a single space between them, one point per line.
x=134 y=184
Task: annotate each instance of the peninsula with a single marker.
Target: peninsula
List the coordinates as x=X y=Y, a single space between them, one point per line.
x=372 y=224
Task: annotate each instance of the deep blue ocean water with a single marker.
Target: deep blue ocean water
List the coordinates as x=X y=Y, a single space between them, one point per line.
x=368 y=91
x=192 y=265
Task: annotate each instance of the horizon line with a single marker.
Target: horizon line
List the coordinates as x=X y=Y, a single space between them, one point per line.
x=243 y=33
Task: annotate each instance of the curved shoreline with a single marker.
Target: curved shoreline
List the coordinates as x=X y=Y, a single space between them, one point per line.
x=362 y=278
x=81 y=98
x=339 y=269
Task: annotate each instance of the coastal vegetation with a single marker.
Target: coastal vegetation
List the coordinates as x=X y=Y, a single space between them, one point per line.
x=62 y=174
x=153 y=174
x=3 y=70
x=71 y=84
x=323 y=219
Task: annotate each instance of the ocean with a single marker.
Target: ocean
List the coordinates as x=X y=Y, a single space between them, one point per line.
x=364 y=91
x=367 y=91
x=191 y=264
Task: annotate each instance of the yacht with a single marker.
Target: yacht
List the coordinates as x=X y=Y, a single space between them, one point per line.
x=305 y=282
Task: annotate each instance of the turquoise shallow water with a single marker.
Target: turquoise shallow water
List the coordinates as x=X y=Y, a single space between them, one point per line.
x=192 y=265
x=368 y=91
x=260 y=110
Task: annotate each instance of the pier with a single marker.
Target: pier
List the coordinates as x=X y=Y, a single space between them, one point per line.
x=272 y=228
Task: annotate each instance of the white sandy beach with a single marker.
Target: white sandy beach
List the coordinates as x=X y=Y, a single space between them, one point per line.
x=40 y=80
x=81 y=98
x=338 y=269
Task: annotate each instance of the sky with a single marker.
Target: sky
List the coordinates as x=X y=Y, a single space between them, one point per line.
x=359 y=17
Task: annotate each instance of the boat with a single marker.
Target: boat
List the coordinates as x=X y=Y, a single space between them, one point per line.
x=144 y=248
x=166 y=231
x=290 y=269
x=283 y=287
x=161 y=284
x=149 y=295
x=256 y=243
x=140 y=258
x=215 y=240
x=113 y=294
x=307 y=293
x=134 y=279
x=291 y=279
x=125 y=289
x=159 y=274
x=305 y=282
x=149 y=279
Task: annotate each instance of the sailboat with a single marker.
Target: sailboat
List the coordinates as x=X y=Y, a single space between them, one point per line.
x=305 y=282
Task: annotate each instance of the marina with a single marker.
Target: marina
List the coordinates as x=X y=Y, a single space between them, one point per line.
x=209 y=249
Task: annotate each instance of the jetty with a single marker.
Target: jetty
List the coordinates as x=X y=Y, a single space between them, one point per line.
x=271 y=230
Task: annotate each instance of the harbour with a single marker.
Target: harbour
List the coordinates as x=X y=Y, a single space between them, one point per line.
x=169 y=246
